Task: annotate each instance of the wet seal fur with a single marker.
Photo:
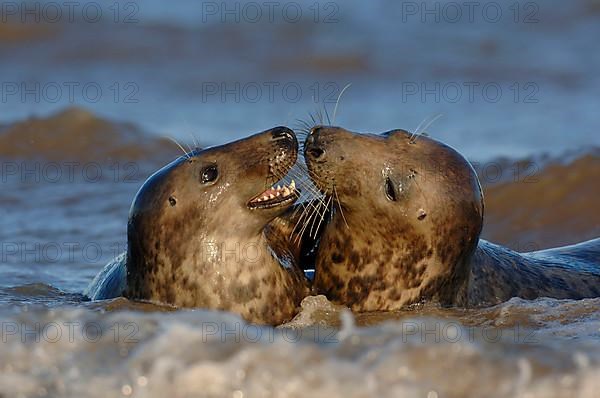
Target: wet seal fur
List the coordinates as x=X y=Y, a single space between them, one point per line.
x=200 y=234
x=404 y=227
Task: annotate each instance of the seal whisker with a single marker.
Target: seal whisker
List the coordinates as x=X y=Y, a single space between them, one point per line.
x=338 y=100
x=304 y=123
x=311 y=216
x=195 y=140
x=414 y=133
x=317 y=213
x=318 y=179
x=311 y=174
x=307 y=223
x=305 y=212
x=179 y=145
x=302 y=126
x=413 y=138
x=322 y=213
x=302 y=180
x=306 y=183
x=302 y=129
x=322 y=217
x=295 y=212
x=187 y=145
x=340 y=207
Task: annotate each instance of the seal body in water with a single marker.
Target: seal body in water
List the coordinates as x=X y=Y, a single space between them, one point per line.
x=403 y=227
x=200 y=233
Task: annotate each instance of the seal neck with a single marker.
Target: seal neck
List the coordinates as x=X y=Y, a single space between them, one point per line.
x=393 y=264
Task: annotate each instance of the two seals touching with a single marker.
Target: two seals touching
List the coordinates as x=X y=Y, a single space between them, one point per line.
x=404 y=227
x=209 y=230
x=199 y=233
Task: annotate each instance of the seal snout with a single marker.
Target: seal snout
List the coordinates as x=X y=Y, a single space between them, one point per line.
x=284 y=134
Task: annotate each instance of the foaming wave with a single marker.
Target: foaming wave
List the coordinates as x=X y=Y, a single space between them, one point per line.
x=205 y=353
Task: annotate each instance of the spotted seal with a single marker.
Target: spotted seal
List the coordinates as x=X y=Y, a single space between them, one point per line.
x=404 y=225
x=200 y=233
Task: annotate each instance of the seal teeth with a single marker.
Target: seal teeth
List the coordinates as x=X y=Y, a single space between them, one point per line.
x=281 y=191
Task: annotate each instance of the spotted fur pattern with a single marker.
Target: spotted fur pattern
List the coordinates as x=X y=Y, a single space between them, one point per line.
x=199 y=245
x=405 y=228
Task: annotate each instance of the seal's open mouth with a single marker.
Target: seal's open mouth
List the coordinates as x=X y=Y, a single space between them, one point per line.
x=275 y=196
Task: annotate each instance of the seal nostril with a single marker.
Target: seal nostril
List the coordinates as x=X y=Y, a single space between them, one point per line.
x=421 y=215
x=315 y=152
x=172 y=201
x=282 y=133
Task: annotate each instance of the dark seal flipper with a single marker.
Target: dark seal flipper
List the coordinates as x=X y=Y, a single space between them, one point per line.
x=498 y=273
x=111 y=282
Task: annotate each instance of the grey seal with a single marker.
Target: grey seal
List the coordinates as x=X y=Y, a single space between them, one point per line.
x=404 y=225
x=201 y=233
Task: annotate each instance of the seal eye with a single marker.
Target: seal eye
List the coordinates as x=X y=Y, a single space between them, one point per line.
x=209 y=174
x=389 y=189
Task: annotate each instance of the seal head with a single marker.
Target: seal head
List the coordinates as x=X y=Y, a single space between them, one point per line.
x=196 y=231
x=406 y=217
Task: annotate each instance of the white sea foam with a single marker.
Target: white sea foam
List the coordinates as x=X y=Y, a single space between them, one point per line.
x=429 y=353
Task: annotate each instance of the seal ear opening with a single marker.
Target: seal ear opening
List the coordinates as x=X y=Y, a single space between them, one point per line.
x=390 y=192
